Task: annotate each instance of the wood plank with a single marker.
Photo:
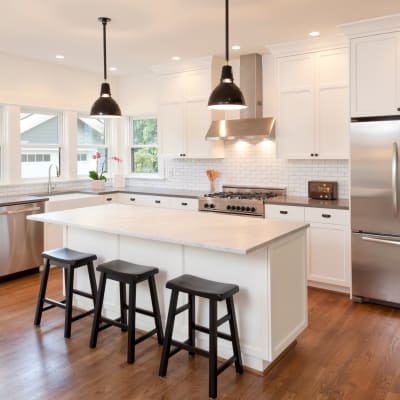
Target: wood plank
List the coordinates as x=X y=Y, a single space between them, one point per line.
x=350 y=351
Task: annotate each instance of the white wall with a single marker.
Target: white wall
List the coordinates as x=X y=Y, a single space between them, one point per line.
x=35 y=83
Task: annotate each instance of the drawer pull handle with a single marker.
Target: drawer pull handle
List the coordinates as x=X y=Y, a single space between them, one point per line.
x=283 y=212
x=184 y=204
x=109 y=198
x=132 y=199
x=326 y=215
x=157 y=201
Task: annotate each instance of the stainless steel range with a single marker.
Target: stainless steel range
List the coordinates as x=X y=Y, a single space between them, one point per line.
x=239 y=200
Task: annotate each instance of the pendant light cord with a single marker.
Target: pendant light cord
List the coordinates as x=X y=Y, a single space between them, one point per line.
x=104 y=22
x=227 y=31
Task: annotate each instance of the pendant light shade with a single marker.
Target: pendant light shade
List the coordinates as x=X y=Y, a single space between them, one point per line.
x=227 y=95
x=105 y=106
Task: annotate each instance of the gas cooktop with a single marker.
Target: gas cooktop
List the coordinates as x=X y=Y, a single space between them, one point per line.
x=239 y=200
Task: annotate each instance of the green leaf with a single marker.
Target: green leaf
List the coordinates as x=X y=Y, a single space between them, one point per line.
x=94 y=175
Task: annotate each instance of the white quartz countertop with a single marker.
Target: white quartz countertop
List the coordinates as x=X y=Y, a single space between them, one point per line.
x=228 y=233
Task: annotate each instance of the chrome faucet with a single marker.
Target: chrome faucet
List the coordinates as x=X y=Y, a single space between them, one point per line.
x=49 y=185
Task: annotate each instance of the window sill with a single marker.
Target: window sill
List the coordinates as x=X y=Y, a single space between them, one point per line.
x=146 y=176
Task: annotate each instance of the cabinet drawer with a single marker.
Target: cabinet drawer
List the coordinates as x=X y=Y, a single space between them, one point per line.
x=182 y=203
x=289 y=213
x=327 y=216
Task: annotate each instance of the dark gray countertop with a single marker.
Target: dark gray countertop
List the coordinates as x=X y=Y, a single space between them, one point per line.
x=341 y=204
x=15 y=200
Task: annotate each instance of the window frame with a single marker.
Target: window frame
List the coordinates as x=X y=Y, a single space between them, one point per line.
x=60 y=145
x=106 y=146
x=131 y=145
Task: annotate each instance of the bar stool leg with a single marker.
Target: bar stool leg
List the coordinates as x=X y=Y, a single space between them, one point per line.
x=42 y=293
x=122 y=304
x=92 y=281
x=97 y=311
x=68 y=301
x=131 y=323
x=191 y=322
x=235 y=336
x=212 y=380
x=156 y=309
x=168 y=333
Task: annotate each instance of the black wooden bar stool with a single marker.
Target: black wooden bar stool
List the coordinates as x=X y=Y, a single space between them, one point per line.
x=214 y=291
x=127 y=274
x=69 y=260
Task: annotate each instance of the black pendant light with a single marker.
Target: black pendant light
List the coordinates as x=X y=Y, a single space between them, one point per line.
x=227 y=95
x=105 y=106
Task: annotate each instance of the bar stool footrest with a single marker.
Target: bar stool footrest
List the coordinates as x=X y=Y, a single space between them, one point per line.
x=186 y=346
x=53 y=303
x=84 y=294
x=221 y=335
x=84 y=314
x=226 y=364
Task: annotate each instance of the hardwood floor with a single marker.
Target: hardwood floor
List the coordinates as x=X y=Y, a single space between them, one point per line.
x=350 y=351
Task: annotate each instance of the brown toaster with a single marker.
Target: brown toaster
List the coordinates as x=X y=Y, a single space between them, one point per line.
x=322 y=190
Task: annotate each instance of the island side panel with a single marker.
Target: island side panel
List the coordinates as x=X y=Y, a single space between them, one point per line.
x=289 y=314
x=250 y=273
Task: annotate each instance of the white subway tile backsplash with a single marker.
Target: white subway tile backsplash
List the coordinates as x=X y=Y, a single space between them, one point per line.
x=252 y=164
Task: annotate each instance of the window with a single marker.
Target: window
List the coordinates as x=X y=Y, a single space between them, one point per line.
x=40 y=142
x=144 y=151
x=91 y=138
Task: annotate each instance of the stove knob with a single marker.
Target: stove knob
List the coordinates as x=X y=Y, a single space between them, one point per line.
x=206 y=205
x=248 y=209
x=253 y=209
x=233 y=208
x=243 y=208
x=228 y=207
x=212 y=205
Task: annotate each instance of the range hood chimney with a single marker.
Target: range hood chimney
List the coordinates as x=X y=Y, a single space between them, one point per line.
x=251 y=125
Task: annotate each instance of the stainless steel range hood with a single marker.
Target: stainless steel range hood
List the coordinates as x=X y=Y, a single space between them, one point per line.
x=251 y=125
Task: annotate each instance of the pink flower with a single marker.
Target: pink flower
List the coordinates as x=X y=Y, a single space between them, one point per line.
x=116 y=158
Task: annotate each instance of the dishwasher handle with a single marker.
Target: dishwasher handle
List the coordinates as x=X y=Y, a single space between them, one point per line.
x=25 y=210
x=384 y=241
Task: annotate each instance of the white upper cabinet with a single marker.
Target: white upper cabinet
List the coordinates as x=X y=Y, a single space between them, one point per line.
x=313 y=105
x=375 y=75
x=183 y=115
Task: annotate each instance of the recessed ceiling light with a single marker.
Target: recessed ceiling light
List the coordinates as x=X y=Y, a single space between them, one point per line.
x=113 y=68
x=236 y=47
x=314 y=33
x=59 y=56
x=175 y=58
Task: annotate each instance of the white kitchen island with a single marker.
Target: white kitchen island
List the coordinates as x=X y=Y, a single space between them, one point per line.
x=266 y=258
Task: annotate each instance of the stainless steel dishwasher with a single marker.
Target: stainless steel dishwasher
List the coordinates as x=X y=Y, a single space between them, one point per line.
x=21 y=241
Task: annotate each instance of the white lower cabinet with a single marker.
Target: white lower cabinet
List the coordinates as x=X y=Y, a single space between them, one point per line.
x=180 y=203
x=328 y=241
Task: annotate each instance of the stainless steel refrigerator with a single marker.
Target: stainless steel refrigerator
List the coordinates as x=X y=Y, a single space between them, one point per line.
x=375 y=209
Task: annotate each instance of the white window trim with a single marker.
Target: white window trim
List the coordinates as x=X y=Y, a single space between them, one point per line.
x=107 y=144
x=161 y=169
x=59 y=145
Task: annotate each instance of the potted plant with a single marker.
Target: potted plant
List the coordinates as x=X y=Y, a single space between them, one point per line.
x=99 y=179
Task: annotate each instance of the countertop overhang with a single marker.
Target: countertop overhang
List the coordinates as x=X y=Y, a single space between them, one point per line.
x=227 y=233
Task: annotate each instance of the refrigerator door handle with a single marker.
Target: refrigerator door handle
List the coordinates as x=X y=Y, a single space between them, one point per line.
x=371 y=239
x=394 y=178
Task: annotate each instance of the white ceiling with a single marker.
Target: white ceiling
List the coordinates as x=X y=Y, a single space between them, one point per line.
x=144 y=33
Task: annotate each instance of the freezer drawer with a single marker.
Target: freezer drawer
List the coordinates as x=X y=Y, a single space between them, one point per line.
x=376 y=267
x=21 y=241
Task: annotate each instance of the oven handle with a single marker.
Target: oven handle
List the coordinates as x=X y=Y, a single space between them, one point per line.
x=371 y=239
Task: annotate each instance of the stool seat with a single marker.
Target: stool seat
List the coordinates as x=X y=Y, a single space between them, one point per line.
x=203 y=287
x=120 y=269
x=68 y=256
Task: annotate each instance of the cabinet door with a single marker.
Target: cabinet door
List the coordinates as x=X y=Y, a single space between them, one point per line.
x=295 y=123
x=329 y=254
x=197 y=122
x=375 y=75
x=332 y=105
x=171 y=125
